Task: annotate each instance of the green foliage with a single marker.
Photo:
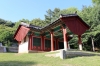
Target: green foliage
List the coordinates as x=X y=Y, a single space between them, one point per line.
x=87 y=15
x=70 y=10
x=48 y=17
x=22 y=20
x=97 y=2
x=6 y=23
x=52 y=15
x=6 y=35
x=38 y=22
x=74 y=42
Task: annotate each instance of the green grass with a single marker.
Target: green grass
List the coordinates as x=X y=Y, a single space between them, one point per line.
x=39 y=59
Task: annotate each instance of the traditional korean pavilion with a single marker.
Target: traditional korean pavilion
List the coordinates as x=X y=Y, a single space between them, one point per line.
x=51 y=37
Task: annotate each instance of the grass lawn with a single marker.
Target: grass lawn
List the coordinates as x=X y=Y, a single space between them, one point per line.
x=39 y=59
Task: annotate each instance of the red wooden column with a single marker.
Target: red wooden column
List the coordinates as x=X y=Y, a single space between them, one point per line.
x=42 y=42
x=79 y=42
x=19 y=42
x=30 y=42
x=52 y=41
x=65 y=37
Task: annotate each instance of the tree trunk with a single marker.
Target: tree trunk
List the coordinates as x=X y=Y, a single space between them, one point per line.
x=92 y=44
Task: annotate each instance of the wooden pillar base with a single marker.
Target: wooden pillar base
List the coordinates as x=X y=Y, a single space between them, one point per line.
x=80 y=46
x=65 y=46
x=79 y=42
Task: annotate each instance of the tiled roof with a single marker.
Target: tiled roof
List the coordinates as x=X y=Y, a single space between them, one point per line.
x=58 y=21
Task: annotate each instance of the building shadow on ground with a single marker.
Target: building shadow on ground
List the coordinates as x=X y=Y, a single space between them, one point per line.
x=17 y=63
x=81 y=55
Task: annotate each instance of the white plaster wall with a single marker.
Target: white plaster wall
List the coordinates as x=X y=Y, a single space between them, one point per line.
x=23 y=47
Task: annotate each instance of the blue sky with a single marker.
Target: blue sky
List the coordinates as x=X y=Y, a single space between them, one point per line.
x=14 y=10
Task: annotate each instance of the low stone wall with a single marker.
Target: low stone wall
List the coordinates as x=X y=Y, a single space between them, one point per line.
x=2 y=49
x=79 y=53
x=13 y=49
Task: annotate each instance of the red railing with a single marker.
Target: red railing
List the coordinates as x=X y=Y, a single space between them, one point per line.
x=36 y=48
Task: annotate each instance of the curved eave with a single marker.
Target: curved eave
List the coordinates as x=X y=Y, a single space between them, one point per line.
x=33 y=29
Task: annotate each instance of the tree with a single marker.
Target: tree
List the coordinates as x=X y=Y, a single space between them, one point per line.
x=97 y=2
x=70 y=10
x=22 y=20
x=52 y=15
x=55 y=14
x=48 y=16
x=91 y=15
x=6 y=23
x=38 y=22
x=6 y=35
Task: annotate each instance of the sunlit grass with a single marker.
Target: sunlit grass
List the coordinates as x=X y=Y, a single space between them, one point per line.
x=39 y=59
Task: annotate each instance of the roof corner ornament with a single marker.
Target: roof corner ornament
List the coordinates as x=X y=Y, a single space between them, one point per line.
x=75 y=12
x=24 y=24
x=61 y=15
